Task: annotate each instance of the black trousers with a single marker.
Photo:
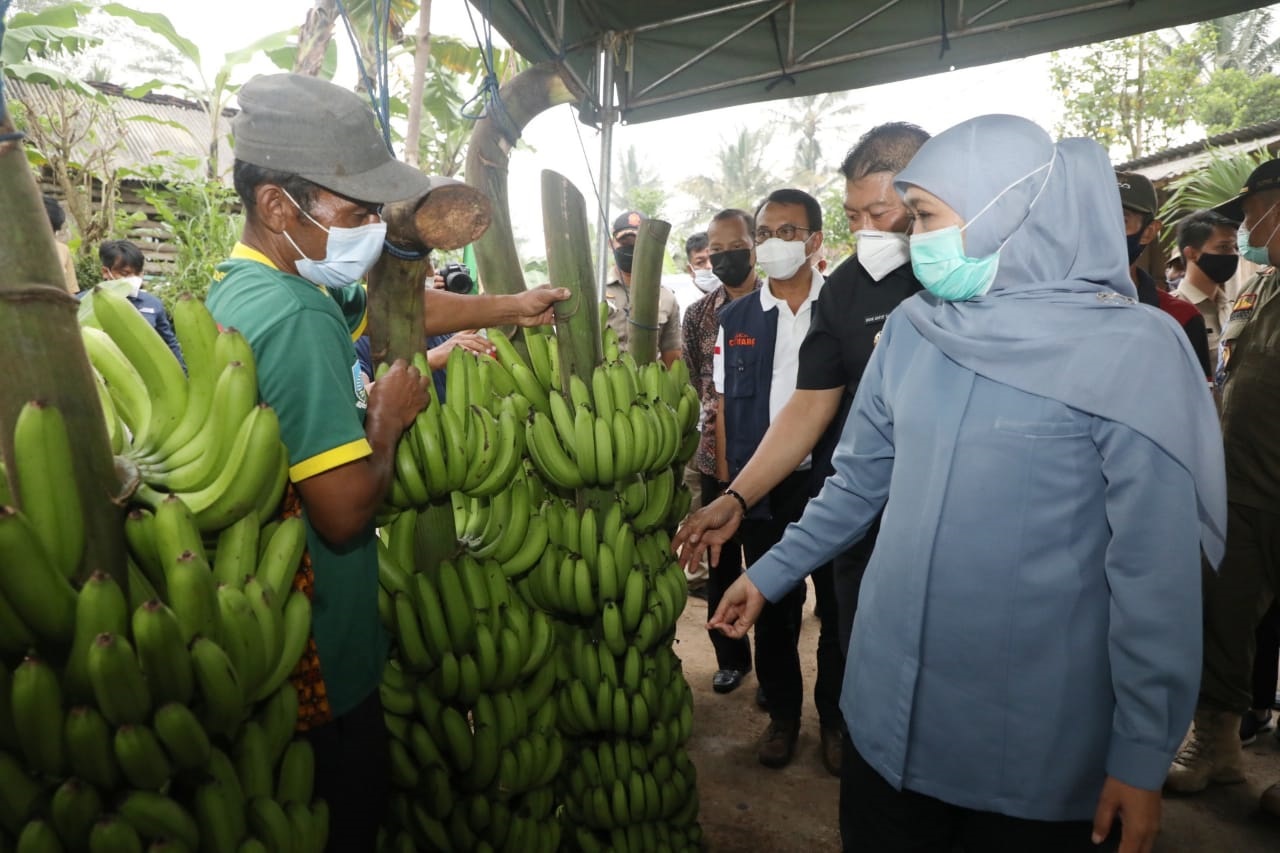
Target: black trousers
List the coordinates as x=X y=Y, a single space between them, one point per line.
x=1267 y=659
x=875 y=818
x=353 y=775
x=730 y=653
x=778 y=628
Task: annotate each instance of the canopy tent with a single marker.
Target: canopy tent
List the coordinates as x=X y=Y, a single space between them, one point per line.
x=641 y=60
x=674 y=57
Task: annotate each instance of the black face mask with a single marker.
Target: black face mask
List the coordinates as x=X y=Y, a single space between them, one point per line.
x=1219 y=268
x=732 y=267
x=1135 y=248
x=623 y=256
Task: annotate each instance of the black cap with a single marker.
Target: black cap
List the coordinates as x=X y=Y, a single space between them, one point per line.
x=628 y=222
x=1137 y=193
x=324 y=133
x=1265 y=177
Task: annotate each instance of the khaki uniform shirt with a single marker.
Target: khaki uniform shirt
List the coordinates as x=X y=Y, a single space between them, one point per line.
x=68 y=267
x=618 y=296
x=1215 y=310
x=1250 y=379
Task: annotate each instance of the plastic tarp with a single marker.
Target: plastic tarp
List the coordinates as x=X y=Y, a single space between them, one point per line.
x=675 y=57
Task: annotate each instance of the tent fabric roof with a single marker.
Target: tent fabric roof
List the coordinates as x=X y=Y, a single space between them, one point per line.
x=675 y=57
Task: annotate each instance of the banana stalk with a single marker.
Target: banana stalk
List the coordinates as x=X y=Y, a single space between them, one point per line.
x=564 y=222
x=646 y=278
x=40 y=338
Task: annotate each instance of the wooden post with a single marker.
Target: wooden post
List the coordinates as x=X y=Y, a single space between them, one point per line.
x=40 y=343
x=646 y=281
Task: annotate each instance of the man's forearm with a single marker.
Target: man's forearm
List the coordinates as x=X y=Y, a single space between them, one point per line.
x=444 y=312
x=790 y=438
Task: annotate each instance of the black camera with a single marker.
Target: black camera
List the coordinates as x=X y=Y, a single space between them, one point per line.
x=457 y=278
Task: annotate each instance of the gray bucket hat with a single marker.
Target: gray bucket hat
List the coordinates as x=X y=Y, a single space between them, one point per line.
x=324 y=133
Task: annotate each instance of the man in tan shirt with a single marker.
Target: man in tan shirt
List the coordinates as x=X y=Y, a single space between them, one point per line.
x=57 y=218
x=618 y=293
x=1207 y=243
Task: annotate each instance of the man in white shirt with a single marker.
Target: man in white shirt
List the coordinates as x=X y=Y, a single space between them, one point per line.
x=756 y=362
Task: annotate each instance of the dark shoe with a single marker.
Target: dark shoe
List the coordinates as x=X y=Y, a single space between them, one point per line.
x=762 y=701
x=727 y=680
x=832 y=750
x=1251 y=725
x=698 y=592
x=779 y=743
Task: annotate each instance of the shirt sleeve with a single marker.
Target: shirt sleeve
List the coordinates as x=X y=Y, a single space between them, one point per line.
x=717 y=362
x=307 y=371
x=669 y=335
x=690 y=350
x=353 y=302
x=1153 y=572
x=851 y=498
x=821 y=361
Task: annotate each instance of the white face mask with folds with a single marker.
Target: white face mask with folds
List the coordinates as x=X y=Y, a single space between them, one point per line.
x=705 y=280
x=349 y=252
x=882 y=252
x=781 y=259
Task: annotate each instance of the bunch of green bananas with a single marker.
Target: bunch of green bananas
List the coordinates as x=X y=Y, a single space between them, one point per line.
x=201 y=435
x=468 y=699
x=472 y=443
x=510 y=528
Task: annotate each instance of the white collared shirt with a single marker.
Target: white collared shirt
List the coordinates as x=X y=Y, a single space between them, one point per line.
x=791 y=332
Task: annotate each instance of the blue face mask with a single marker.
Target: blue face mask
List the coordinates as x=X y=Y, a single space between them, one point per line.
x=1260 y=255
x=349 y=253
x=939 y=261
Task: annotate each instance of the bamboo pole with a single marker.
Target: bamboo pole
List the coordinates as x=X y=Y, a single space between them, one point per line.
x=564 y=222
x=40 y=342
x=646 y=281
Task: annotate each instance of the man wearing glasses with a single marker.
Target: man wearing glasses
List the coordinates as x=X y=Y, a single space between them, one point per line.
x=756 y=363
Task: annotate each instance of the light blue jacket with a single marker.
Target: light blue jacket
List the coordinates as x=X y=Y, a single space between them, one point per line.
x=1030 y=620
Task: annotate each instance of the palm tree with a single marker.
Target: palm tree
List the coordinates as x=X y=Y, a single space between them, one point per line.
x=636 y=188
x=1210 y=185
x=1242 y=41
x=804 y=118
x=740 y=180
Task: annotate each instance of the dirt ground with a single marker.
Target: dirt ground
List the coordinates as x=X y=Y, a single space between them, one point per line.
x=747 y=807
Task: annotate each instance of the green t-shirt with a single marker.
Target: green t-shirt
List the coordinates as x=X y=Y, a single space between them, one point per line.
x=301 y=335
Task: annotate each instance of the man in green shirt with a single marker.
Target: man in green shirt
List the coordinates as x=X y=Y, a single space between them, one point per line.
x=313 y=172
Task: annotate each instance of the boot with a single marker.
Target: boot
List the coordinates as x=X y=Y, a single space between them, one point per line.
x=1210 y=756
x=1271 y=800
x=778 y=744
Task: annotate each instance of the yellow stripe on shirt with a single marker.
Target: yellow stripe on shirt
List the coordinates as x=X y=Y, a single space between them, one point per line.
x=330 y=459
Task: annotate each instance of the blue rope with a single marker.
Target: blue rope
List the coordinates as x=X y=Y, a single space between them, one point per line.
x=489 y=89
x=378 y=97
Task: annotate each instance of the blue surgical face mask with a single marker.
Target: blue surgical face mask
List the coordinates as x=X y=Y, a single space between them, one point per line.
x=349 y=253
x=1260 y=255
x=939 y=261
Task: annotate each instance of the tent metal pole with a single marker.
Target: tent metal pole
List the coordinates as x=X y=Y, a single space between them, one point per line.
x=604 y=253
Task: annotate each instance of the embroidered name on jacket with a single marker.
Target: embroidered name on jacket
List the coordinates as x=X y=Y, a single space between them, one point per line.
x=741 y=339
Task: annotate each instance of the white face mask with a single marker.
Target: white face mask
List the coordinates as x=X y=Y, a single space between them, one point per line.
x=882 y=252
x=130 y=285
x=780 y=258
x=705 y=280
x=349 y=253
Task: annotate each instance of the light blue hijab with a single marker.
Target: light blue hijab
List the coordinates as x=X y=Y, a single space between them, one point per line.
x=1061 y=319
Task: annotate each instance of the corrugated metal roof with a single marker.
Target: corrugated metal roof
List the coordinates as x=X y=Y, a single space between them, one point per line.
x=151 y=125
x=1172 y=162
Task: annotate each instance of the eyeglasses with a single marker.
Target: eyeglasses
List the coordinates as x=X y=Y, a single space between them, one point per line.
x=784 y=232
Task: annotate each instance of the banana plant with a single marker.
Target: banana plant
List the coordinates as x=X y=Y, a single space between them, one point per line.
x=1208 y=186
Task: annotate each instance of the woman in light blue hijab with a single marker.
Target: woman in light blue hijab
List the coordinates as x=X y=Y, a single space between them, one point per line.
x=1026 y=655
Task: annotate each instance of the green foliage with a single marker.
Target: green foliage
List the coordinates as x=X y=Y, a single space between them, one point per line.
x=740 y=179
x=1232 y=99
x=88 y=269
x=203 y=222
x=837 y=239
x=637 y=188
x=1209 y=186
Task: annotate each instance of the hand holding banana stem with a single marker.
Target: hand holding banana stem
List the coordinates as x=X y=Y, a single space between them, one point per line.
x=739 y=609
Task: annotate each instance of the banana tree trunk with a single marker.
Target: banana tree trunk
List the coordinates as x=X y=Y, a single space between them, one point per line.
x=564 y=222
x=532 y=91
x=448 y=217
x=40 y=341
x=314 y=36
x=646 y=279
x=421 y=59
